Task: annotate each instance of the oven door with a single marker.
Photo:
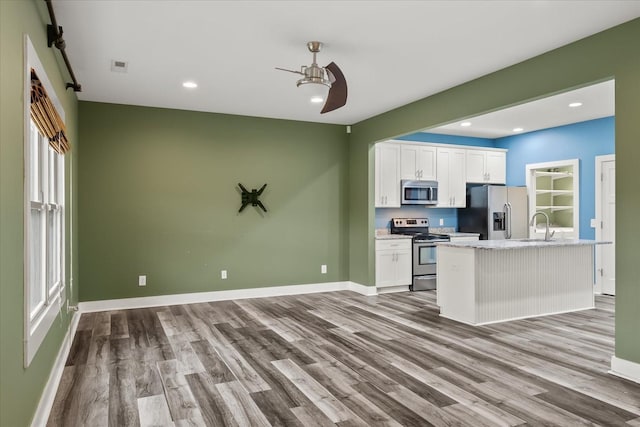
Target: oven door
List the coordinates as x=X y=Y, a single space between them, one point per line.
x=424 y=258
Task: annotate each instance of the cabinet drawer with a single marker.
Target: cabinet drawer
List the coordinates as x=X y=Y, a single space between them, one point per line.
x=382 y=245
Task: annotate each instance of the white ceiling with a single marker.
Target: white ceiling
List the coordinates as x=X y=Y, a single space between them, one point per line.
x=597 y=101
x=391 y=52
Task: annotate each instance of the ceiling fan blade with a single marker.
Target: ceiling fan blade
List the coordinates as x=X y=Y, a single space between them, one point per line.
x=290 y=71
x=337 y=96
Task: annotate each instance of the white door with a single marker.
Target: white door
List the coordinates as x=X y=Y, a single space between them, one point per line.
x=608 y=227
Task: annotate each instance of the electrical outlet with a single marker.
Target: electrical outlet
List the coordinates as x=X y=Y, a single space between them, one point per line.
x=142 y=280
x=223 y=274
x=441 y=222
x=323 y=269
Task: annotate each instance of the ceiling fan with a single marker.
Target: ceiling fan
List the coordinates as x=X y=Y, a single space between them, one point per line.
x=330 y=76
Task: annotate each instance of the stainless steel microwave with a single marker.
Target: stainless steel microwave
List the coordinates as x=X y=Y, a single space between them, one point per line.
x=419 y=192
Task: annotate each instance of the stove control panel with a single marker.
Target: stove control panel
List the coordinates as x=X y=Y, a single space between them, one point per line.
x=410 y=222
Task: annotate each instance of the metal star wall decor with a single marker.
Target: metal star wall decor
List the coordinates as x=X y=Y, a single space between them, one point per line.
x=251 y=197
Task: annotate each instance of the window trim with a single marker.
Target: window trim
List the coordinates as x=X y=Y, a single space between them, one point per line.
x=36 y=329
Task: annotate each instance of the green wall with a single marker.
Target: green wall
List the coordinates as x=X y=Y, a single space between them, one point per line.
x=158 y=197
x=20 y=388
x=612 y=53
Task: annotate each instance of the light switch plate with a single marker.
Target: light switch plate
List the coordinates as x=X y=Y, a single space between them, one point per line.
x=594 y=223
x=142 y=280
x=223 y=274
x=323 y=269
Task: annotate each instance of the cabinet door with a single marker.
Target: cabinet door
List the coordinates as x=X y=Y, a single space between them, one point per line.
x=475 y=166
x=417 y=162
x=444 y=160
x=387 y=175
x=427 y=163
x=409 y=158
x=404 y=266
x=457 y=178
x=496 y=167
x=386 y=268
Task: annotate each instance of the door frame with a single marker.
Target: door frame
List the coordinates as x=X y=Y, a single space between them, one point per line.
x=598 y=187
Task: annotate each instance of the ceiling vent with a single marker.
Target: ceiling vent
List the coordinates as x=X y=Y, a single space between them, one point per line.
x=119 y=66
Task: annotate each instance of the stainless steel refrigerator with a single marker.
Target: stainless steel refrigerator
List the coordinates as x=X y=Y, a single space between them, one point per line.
x=496 y=212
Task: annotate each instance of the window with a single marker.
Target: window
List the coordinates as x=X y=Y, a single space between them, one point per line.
x=45 y=223
x=44 y=220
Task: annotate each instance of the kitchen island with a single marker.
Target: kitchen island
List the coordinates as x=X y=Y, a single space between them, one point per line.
x=489 y=281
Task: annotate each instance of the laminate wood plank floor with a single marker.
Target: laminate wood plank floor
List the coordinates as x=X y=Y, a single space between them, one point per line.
x=341 y=359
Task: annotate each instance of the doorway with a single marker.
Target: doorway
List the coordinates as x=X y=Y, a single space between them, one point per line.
x=606 y=224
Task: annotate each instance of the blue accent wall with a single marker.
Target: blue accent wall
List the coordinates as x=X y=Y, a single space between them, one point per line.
x=448 y=139
x=584 y=141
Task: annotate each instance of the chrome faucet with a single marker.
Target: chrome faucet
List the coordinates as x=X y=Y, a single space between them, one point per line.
x=547 y=236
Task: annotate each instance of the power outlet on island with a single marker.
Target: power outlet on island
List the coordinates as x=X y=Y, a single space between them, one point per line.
x=323 y=269
x=441 y=222
x=142 y=280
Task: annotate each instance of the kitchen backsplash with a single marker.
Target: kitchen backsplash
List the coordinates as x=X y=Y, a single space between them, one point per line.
x=448 y=215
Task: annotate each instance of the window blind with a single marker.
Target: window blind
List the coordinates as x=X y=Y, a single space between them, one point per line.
x=46 y=117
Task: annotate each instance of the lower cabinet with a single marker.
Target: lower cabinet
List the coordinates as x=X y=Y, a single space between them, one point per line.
x=393 y=262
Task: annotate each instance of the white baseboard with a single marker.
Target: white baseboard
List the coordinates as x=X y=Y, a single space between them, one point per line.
x=49 y=393
x=625 y=369
x=392 y=289
x=196 y=297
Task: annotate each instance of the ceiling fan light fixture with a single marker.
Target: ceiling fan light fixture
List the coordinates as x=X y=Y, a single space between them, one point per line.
x=317 y=99
x=575 y=104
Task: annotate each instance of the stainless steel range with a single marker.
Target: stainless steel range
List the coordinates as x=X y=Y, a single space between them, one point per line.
x=424 y=250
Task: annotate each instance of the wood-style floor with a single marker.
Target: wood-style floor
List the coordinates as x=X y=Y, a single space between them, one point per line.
x=340 y=359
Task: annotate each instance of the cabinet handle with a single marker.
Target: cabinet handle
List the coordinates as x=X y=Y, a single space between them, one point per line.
x=488 y=177
x=421 y=172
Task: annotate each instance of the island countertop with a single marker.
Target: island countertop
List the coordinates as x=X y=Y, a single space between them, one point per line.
x=520 y=243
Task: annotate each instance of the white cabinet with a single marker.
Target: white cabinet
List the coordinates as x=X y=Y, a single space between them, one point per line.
x=418 y=162
x=393 y=262
x=451 y=177
x=387 y=175
x=486 y=166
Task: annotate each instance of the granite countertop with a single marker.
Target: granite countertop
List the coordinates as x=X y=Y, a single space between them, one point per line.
x=520 y=244
x=458 y=234
x=392 y=237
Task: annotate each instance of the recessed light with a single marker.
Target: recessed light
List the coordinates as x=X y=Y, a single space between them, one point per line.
x=190 y=85
x=316 y=99
x=518 y=129
x=465 y=124
x=575 y=104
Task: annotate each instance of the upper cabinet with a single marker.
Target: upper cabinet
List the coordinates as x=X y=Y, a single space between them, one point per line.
x=486 y=166
x=451 y=177
x=418 y=162
x=387 y=175
x=453 y=166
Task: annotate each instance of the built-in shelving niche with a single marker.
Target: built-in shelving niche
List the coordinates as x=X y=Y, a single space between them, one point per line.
x=553 y=188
